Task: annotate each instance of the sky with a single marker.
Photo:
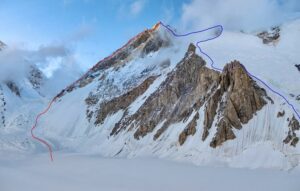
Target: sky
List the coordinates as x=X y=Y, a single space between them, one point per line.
x=89 y=30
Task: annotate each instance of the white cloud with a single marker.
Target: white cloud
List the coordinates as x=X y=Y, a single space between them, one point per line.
x=136 y=7
x=15 y=62
x=248 y=15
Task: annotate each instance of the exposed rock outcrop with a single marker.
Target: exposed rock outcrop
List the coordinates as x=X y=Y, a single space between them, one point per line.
x=291 y=137
x=297 y=66
x=230 y=98
x=150 y=40
x=13 y=87
x=2 y=108
x=35 y=77
x=242 y=91
x=2 y=45
x=239 y=98
x=210 y=112
x=174 y=100
x=122 y=102
x=280 y=113
x=154 y=44
x=189 y=130
x=270 y=36
x=224 y=133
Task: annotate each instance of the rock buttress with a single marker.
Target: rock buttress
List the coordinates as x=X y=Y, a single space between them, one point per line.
x=230 y=98
x=241 y=99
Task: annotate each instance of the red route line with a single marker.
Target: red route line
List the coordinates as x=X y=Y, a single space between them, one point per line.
x=35 y=125
x=113 y=54
x=83 y=76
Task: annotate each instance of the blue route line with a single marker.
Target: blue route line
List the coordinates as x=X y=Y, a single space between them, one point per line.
x=219 y=69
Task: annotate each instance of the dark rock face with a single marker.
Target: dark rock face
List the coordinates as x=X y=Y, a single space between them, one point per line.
x=297 y=66
x=148 y=41
x=13 y=87
x=174 y=99
x=91 y=100
x=230 y=99
x=239 y=98
x=245 y=95
x=2 y=108
x=2 y=45
x=35 y=77
x=154 y=45
x=122 y=53
x=291 y=137
x=189 y=130
x=280 y=113
x=210 y=112
x=224 y=133
x=270 y=36
x=123 y=101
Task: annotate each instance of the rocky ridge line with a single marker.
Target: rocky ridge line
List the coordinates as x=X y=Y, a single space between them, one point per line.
x=229 y=99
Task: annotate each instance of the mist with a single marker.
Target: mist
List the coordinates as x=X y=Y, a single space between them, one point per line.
x=246 y=15
x=15 y=61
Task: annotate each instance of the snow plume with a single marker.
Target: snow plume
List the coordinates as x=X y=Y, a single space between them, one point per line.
x=15 y=62
x=246 y=15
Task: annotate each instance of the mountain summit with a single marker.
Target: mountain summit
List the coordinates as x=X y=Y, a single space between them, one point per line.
x=157 y=96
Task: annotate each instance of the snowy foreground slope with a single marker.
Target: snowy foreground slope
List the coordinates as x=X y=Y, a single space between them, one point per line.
x=159 y=97
x=79 y=172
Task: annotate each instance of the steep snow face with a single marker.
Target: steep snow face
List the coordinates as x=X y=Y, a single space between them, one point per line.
x=73 y=122
x=116 y=76
x=19 y=103
x=274 y=63
x=14 y=95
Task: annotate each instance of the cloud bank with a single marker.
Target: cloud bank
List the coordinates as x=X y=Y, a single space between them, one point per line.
x=15 y=62
x=246 y=15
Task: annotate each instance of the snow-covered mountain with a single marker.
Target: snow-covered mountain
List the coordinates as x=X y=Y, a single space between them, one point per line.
x=21 y=98
x=158 y=96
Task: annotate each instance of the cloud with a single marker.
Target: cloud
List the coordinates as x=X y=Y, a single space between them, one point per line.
x=247 y=15
x=136 y=7
x=64 y=71
x=15 y=62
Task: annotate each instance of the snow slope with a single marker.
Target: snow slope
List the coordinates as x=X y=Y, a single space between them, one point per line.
x=274 y=63
x=80 y=172
x=258 y=144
